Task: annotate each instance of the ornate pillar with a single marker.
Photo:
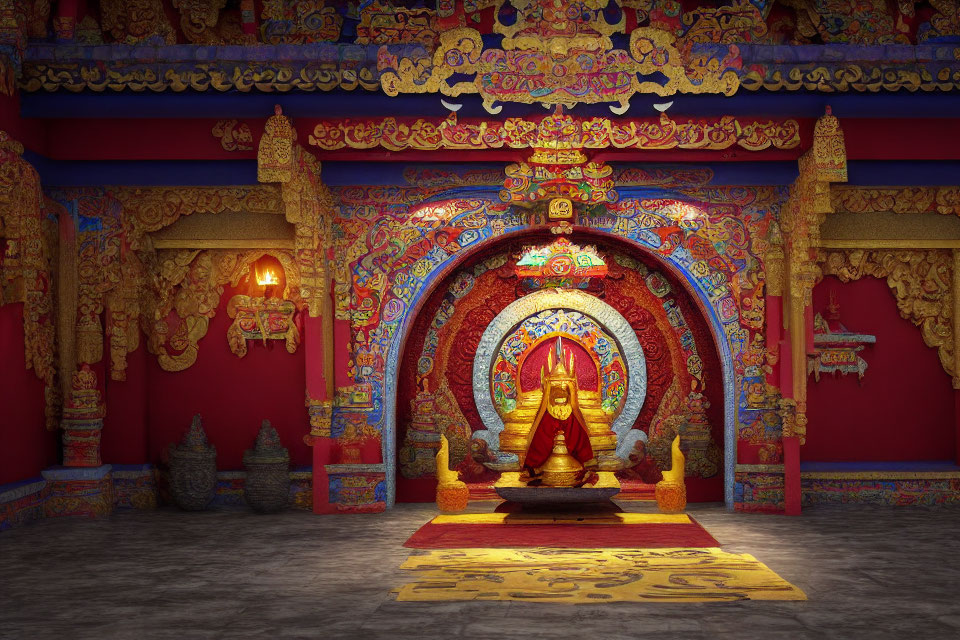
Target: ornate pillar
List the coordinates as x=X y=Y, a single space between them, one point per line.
x=67 y=301
x=308 y=205
x=956 y=350
x=773 y=283
x=824 y=163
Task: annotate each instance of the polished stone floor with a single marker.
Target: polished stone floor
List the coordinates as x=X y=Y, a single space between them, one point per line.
x=868 y=572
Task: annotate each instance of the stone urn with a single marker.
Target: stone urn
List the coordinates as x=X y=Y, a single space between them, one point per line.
x=193 y=469
x=267 y=488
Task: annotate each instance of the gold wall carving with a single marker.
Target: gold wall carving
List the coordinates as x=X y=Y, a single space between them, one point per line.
x=944 y=200
x=25 y=267
x=809 y=203
x=426 y=134
x=307 y=203
x=205 y=22
x=921 y=281
x=119 y=271
x=133 y=21
x=176 y=313
x=117 y=261
x=233 y=135
x=259 y=318
x=773 y=261
x=149 y=209
x=198 y=18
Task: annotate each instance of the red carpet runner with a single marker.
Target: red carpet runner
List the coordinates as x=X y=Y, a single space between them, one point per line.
x=446 y=532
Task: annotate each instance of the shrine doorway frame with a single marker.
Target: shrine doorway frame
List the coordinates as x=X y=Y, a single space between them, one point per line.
x=689 y=283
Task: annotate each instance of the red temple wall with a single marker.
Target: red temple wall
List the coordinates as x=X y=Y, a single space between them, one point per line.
x=28 y=447
x=153 y=408
x=902 y=409
x=125 y=427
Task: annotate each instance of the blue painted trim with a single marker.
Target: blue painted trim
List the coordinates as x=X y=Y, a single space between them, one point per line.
x=360 y=103
x=903 y=173
x=132 y=467
x=16 y=490
x=66 y=173
x=76 y=473
x=758 y=173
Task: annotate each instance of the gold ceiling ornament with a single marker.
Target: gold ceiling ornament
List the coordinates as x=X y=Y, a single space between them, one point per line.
x=198 y=18
x=559 y=130
x=944 y=200
x=921 y=281
x=558 y=21
x=550 y=58
x=307 y=203
x=25 y=268
x=734 y=22
x=133 y=21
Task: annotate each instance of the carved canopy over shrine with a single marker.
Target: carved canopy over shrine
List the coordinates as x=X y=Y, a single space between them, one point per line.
x=530 y=51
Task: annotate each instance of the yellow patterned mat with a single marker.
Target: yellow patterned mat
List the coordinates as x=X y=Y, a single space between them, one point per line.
x=592 y=575
x=550 y=518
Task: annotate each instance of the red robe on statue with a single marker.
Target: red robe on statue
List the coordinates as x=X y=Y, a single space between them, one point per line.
x=578 y=442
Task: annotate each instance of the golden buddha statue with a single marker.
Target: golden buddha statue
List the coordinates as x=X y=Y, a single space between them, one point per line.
x=558 y=398
x=558 y=447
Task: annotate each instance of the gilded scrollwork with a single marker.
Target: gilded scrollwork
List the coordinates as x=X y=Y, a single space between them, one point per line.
x=823 y=164
x=233 y=135
x=186 y=295
x=149 y=209
x=257 y=318
x=120 y=273
x=307 y=203
x=793 y=418
x=569 y=61
x=135 y=21
x=921 y=281
x=943 y=200
x=564 y=129
x=773 y=261
x=205 y=22
x=25 y=270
